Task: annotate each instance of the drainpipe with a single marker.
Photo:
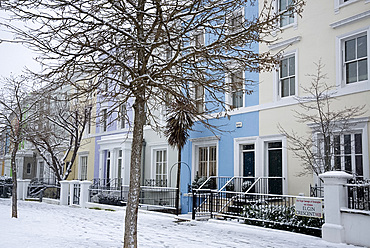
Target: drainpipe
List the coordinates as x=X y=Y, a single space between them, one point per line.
x=143 y=162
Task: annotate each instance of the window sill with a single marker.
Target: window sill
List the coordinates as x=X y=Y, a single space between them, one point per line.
x=354 y=88
x=338 y=5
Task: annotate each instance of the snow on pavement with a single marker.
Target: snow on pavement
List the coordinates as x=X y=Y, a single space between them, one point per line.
x=45 y=225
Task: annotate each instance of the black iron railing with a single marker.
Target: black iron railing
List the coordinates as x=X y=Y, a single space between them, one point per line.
x=44 y=187
x=44 y=181
x=6 y=186
x=359 y=195
x=108 y=192
x=76 y=194
x=251 y=199
x=155 y=183
x=316 y=191
x=107 y=184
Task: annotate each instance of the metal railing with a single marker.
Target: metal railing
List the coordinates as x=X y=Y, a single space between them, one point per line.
x=155 y=183
x=76 y=194
x=44 y=181
x=6 y=186
x=316 y=191
x=256 y=200
x=108 y=184
x=44 y=187
x=100 y=192
x=359 y=195
x=265 y=185
x=268 y=210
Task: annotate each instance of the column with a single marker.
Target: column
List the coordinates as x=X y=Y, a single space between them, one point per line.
x=84 y=193
x=101 y=164
x=26 y=183
x=64 y=190
x=20 y=189
x=335 y=198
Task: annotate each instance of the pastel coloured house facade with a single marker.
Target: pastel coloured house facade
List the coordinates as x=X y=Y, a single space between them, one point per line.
x=337 y=34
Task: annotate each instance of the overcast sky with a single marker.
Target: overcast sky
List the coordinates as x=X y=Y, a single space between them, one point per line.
x=14 y=57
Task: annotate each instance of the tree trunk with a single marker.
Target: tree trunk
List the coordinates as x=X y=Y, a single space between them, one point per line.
x=177 y=200
x=130 y=235
x=14 y=177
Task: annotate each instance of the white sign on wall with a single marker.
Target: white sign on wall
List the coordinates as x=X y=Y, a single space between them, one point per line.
x=308 y=207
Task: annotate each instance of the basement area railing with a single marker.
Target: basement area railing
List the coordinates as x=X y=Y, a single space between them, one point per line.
x=250 y=199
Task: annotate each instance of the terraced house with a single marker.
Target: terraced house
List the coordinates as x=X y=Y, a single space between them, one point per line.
x=333 y=33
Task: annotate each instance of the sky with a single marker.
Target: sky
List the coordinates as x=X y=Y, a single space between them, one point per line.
x=14 y=57
x=42 y=225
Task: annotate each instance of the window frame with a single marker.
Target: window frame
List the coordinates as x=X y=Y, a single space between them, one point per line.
x=163 y=175
x=345 y=62
x=343 y=152
x=199 y=100
x=203 y=142
x=278 y=85
x=82 y=168
x=288 y=76
x=198 y=33
x=122 y=116
x=340 y=50
x=230 y=96
x=357 y=125
x=232 y=16
x=89 y=120
x=104 y=122
x=292 y=24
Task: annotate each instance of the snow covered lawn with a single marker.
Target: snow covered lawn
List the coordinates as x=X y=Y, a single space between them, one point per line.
x=45 y=225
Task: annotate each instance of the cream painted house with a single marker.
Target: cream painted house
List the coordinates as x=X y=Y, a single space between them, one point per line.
x=337 y=33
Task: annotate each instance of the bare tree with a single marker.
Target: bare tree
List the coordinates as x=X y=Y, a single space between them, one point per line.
x=58 y=128
x=317 y=149
x=146 y=50
x=16 y=100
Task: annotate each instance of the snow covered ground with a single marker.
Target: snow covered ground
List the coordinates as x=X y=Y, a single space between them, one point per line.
x=45 y=225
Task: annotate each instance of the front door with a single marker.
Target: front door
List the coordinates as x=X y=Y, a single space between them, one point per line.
x=275 y=162
x=248 y=167
x=107 y=176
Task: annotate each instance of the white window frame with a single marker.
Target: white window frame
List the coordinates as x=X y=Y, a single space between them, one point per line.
x=229 y=95
x=40 y=169
x=232 y=29
x=164 y=174
x=203 y=142
x=277 y=83
x=352 y=153
x=154 y=150
x=293 y=24
x=104 y=121
x=341 y=84
x=122 y=117
x=358 y=125
x=198 y=100
x=197 y=33
x=119 y=158
x=82 y=175
x=89 y=120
